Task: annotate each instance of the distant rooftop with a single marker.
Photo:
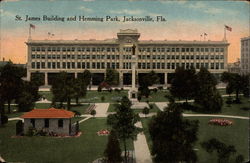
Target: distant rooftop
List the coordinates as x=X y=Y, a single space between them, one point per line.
x=48 y=113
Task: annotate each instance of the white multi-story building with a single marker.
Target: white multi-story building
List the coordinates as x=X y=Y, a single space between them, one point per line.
x=74 y=56
x=245 y=55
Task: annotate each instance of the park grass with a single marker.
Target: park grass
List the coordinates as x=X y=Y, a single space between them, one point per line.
x=155 y=109
x=236 y=109
x=42 y=105
x=94 y=96
x=158 y=96
x=236 y=135
x=81 y=108
x=232 y=109
x=86 y=148
x=112 y=108
x=47 y=94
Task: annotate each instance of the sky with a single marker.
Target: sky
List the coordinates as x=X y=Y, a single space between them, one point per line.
x=185 y=20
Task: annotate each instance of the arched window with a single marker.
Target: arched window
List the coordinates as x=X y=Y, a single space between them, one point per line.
x=60 y=123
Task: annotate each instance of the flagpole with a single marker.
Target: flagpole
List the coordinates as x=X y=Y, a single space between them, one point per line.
x=29 y=33
x=225 y=34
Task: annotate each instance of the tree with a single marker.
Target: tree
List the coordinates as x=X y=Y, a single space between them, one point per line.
x=63 y=89
x=173 y=137
x=123 y=122
x=112 y=77
x=207 y=98
x=10 y=82
x=183 y=85
x=93 y=112
x=146 y=81
x=37 y=78
x=236 y=83
x=80 y=89
x=28 y=95
x=113 y=151
x=224 y=151
x=145 y=111
x=86 y=77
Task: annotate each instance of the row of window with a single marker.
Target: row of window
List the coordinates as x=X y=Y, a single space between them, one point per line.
x=181 y=57
x=125 y=49
x=126 y=65
x=73 y=65
x=127 y=56
x=175 y=65
x=46 y=123
x=33 y=56
x=174 y=49
x=73 y=49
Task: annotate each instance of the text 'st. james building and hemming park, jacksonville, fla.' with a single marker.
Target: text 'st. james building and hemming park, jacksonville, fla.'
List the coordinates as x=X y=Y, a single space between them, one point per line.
x=164 y=56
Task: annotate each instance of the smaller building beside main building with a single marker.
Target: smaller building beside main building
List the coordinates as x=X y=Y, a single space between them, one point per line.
x=51 y=120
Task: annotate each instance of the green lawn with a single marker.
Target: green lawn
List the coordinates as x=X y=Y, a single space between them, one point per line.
x=236 y=109
x=112 y=108
x=236 y=135
x=88 y=147
x=94 y=96
x=42 y=105
x=47 y=95
x=154 y=110
x=158 y=96
x=232 y=109
x=222 y=91
x=80 y=108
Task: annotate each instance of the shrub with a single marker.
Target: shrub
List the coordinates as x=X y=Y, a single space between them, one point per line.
x=42 y=133
x=103 y=98
x=155 y=90
x=245 y=108
x=77 y=113
x=31 y=131
x=19 y=127
x=229 y=100
x=99 y=89
x=160 y=87
x=151 y=106
x=122 y=89
x=4 y=119
x=117 y=90
x=139 y=97
x=93 y=112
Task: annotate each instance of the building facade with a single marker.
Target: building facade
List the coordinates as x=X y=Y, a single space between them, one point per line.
x=74 y=56
x=245 y=55
x=234 y=67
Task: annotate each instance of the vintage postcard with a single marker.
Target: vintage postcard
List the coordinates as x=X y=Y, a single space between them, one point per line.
x=133 y=81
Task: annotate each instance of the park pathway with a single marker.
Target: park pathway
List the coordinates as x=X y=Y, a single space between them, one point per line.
x=142 y=153
x=214 y=115
x=101 y=109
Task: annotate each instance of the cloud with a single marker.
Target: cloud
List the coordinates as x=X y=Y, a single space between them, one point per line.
x=85 y=9
x=201 y=6
x=180 y=2
x=213 y=10
x=10 y=0
x=197 y=5
x=127 y=11
x=6 y=13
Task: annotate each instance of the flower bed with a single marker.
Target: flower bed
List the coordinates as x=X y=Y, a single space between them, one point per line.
x=103 y=132
x=220 y=122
